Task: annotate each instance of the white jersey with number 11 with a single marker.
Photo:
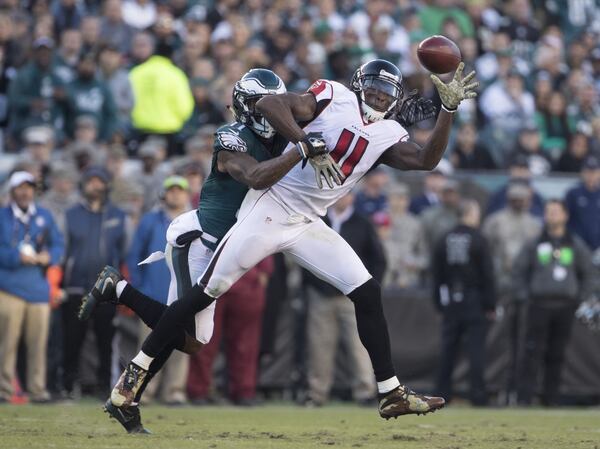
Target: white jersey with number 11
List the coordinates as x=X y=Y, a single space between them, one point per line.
x=355 y=146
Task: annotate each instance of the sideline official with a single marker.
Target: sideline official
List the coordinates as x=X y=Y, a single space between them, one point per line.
x=465 y=294
x=553 y=274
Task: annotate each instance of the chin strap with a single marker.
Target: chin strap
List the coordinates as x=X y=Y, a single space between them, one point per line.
x=371 y=114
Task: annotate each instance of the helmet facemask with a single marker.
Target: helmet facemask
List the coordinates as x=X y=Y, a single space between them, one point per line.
x=379 y=94
x=245 y=112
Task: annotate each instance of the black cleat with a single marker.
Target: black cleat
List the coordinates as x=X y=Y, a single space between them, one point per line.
x=128 y=417
x=103 y=291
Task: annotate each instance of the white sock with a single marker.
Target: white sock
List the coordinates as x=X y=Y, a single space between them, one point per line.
x=120 y=287
x=142 y=360
x=388 y=385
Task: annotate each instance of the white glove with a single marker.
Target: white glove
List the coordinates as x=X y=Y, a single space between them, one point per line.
x=326 y=167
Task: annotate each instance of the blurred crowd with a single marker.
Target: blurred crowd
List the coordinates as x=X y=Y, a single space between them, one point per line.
x=115 y=72
x=107 y=114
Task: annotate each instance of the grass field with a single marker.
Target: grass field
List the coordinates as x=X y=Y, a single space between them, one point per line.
x=288 y=426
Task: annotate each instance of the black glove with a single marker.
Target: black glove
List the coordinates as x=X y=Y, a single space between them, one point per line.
x=414 y=109
x=312 y=145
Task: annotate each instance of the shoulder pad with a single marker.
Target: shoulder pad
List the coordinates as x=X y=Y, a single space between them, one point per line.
x=322 y=90
x=231 y=141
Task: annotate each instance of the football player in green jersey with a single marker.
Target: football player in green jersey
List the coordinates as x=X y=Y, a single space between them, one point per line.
x=247 y=154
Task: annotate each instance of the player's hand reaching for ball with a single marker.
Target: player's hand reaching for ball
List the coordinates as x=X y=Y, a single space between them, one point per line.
x=456 y=90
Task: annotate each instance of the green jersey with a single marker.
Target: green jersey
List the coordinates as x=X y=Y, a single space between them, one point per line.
x=222 y=195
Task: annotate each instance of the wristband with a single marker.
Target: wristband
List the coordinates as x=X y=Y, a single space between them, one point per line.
x=301 y=147
x=450 y=111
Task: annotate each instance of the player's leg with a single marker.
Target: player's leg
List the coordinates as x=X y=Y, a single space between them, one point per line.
x=111 y=288
x=259 y=232
x=328 y=256
x=247 y=243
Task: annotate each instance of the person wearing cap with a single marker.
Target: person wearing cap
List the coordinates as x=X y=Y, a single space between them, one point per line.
x=37 y=92
x=406 y=247
x=153 y=279
x=87 y=95
x=552 y=275
x=30 y=242
x=163 y=98
x=95 y=236
x=464 y=292
x=583 y=204
x=439 y=219
x=331 y=317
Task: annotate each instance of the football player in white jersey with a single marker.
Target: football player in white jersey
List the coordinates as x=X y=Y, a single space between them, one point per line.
x=356 y=126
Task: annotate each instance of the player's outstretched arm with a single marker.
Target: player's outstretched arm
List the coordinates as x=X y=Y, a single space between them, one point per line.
x=257 y=175
x=284 y=110
x=409 y=155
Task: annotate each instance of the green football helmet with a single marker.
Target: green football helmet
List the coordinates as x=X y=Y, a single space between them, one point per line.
x=254 y=85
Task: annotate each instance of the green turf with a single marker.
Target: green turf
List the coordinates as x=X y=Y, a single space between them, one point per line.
x=288 y=426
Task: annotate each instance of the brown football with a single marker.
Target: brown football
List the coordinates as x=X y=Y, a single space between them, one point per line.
x=438 y=54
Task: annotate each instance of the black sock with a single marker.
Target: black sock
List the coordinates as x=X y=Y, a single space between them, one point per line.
x=148 y=309
x=176 y=317
x=372 y=328
x=159 y=361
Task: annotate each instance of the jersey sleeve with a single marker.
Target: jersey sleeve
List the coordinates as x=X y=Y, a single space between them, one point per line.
x=398 y=131
x=322 y=90
x=229 y=140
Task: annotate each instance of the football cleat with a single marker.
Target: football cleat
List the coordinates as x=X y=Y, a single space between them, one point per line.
x=103 y=291
x=124 y=392
x=128 y=417
x=403 y=401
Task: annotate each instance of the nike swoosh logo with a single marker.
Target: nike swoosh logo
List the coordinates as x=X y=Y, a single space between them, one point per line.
x=108 y=282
